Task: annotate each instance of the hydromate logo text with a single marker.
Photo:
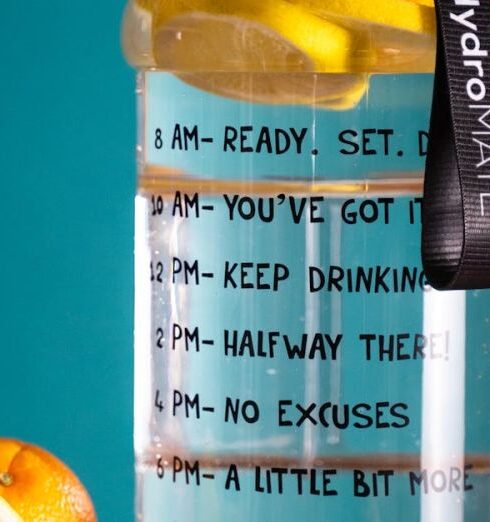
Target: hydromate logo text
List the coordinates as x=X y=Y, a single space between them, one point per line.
x=474 y=56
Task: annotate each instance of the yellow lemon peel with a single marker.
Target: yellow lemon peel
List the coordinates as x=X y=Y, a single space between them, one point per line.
x=397 y=14
x=250 y=36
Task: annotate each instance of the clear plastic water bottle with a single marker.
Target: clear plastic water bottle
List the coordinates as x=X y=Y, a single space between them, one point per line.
x=291 y=362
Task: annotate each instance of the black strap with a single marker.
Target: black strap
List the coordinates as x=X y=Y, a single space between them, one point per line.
x=456 y=210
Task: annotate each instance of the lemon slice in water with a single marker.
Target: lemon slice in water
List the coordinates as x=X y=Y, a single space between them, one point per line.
x=398 y=14
x=402 y=36
x=266 y=36
x=286 y=41
x=281 y=42
x=343 y=90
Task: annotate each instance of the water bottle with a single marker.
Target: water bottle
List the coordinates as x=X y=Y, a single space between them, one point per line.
x=291 y=360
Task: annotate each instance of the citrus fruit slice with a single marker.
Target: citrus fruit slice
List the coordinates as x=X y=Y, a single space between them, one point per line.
x=200 y=39
x=37 y=486
x=7 y=514
x=282 y=88
x=273 y=35
x=398 y=14
x=402 y=37
x=268 y=35
x=342 y=103
x=246 y=37
x=396 y=50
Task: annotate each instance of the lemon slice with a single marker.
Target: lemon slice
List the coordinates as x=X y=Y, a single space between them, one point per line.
x=396 y=50
x=343 y=90
x=345 y=102
x=264 y=48
x=7 y=514
x=294 y=35
x=398 y=14
x=283 y=40
x=401 y=36
x=272 y=35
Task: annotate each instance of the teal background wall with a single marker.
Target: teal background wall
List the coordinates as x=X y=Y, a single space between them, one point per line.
x=66 y=204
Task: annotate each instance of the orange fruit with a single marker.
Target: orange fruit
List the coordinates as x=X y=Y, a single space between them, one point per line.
x=36 y=486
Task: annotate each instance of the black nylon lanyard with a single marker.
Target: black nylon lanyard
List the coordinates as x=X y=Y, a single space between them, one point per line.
x=456 y=209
